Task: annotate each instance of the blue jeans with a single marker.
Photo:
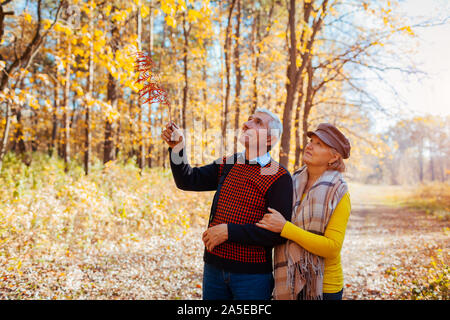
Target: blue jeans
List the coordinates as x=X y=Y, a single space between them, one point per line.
x=326 y=296
x=333 y=296
x=219 y=284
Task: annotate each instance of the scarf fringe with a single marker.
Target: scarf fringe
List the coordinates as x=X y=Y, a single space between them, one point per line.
x=308 y=271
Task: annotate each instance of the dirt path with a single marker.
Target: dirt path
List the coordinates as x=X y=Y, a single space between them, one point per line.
x=387 y=249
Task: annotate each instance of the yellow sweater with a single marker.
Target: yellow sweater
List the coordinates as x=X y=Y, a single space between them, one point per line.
x=328 y=246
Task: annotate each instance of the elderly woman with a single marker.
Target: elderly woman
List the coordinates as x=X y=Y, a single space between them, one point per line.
x=308 y=265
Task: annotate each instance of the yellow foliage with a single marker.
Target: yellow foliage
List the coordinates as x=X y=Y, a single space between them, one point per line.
x=46 y=24
x=27 y=17
x=171 y=21
x=62 y=28
x=168 y=6
x=119 y=16
x=145 y=11
x=194 y=15
x=408 y=30
x=79 y=91
x=86 y=8
x=79 y=52
x=108 y=10
x=98 y=33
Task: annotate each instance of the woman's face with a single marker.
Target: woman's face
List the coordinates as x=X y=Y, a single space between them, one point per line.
x=317 y=153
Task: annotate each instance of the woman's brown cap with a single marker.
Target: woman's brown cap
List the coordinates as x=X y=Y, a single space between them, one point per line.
x=331 y=136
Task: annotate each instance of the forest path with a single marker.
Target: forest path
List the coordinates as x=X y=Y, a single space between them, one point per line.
x=387 y=248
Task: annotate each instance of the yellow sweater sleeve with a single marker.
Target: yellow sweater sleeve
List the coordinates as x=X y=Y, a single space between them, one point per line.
x=329 y=245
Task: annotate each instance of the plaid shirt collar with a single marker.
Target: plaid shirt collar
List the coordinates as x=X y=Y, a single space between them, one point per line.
x=261 y=160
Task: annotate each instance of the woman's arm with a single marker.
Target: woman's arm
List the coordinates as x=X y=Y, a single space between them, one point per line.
x=329 y=245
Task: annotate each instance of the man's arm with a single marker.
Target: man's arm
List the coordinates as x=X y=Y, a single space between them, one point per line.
x=187 y=178
x=193 y=179
x=279 y=197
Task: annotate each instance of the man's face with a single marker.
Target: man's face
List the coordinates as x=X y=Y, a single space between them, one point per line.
x=255 y=131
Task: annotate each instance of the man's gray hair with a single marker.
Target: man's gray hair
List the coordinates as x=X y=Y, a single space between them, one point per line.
x=275 y=125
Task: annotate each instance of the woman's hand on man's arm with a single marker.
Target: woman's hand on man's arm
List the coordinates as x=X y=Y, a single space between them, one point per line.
x=273 y=221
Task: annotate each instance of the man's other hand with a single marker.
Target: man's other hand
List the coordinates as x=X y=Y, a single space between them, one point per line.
x=214 y=236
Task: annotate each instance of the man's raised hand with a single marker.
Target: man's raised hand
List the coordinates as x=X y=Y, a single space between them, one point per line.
x=173 y=136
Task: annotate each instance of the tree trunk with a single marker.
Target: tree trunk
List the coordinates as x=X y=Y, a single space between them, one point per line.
x=141 y=144
x=151 y=19
x=186 y=32
x=162 y=151
x=66 y=118
x=118 y=142
x=307 y=106
x=4 y=141
x=130 y=130
x=227 y=47
x=54 y=119
x=237 y=66
x=299 y=147
x=34 y=137
x=19 y=138
x=205 y=104
x=291 y=85
x=433 y=176
x=222 y=65
x=108 y=149
x=204 y=92
x=255 y=51
x=90 y=89
x=420 y=155
x=255 y=48
x=293 y=72
x=150 y=119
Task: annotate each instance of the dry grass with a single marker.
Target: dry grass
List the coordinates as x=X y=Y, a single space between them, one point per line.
x=96 y=237
x=380 y=194
x=433 y=198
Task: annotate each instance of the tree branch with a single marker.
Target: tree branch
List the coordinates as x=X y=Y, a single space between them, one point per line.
x=32 y=48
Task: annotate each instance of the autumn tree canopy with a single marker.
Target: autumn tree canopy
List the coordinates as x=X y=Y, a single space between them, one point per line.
x=68 y=83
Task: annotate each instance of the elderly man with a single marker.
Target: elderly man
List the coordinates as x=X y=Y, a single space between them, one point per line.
x=238 y=254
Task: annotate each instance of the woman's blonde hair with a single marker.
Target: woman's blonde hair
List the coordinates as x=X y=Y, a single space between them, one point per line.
x=339 y=164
